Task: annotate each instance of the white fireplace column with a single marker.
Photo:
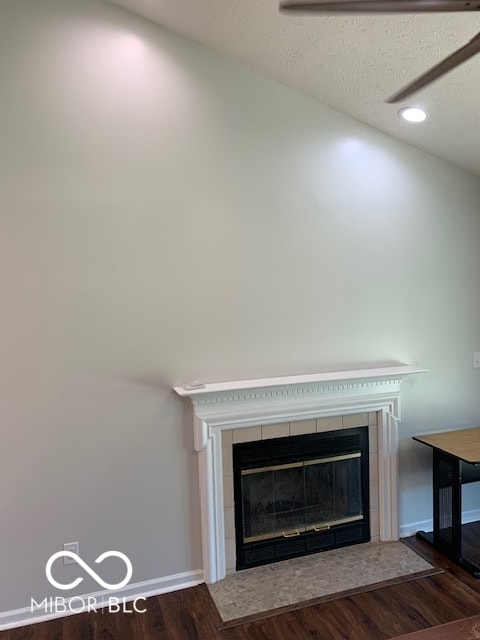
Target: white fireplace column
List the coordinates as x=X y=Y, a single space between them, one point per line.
x=240 y=404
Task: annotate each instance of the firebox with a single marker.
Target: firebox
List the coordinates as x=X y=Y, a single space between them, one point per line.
x=300 y=495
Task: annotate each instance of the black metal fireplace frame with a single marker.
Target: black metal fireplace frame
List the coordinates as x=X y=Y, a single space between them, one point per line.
x=251 y=455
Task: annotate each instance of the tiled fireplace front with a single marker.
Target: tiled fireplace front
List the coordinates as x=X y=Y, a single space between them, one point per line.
x=283 y=430
x=251 y=410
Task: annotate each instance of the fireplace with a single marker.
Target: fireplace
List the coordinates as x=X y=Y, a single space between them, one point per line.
x=300 y=495
x=229 y=413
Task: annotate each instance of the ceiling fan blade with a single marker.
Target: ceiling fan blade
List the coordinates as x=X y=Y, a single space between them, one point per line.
x=462 y=54
x=379 y=6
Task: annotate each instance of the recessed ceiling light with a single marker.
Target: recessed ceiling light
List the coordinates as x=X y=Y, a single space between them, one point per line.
x=413 y=114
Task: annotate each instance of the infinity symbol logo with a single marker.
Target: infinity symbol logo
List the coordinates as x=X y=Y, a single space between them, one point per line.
x=89 y=570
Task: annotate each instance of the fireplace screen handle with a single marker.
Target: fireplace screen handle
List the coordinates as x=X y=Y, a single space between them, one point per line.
x=292 y=534
x=324 y=527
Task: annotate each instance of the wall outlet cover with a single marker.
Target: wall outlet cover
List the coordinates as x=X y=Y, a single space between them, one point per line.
x=74 y=547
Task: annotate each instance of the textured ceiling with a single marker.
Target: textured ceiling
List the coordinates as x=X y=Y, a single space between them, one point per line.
x=350 y=63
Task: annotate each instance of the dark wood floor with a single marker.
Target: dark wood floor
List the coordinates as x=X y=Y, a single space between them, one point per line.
x=376 y=615
x=470 y=546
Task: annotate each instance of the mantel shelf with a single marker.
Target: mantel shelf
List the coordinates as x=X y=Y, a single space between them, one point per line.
x=397 y=371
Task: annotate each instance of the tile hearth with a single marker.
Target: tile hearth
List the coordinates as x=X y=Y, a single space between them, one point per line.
x=296 y=582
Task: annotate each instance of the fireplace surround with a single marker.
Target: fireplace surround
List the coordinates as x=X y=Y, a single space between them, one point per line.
x=248 y=410
x=299 y=495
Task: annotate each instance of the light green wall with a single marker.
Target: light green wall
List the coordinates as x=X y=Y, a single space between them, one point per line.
x=167 y=215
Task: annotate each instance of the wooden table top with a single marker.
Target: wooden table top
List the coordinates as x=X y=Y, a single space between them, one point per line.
x=463 y=443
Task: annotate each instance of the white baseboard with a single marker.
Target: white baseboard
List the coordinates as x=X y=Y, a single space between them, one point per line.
x=145 y=589
x=411 y=528
x=427 y=525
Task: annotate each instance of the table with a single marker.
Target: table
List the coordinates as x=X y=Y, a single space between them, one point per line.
x=456 y=461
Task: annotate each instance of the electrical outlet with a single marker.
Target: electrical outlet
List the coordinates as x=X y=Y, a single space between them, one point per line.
x=476 y=360
x=74 y=547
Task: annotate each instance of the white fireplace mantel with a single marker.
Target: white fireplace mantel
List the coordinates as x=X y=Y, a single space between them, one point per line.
x=247 y=403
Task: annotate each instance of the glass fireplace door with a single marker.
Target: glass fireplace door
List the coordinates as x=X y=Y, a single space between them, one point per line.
x=311 y=495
